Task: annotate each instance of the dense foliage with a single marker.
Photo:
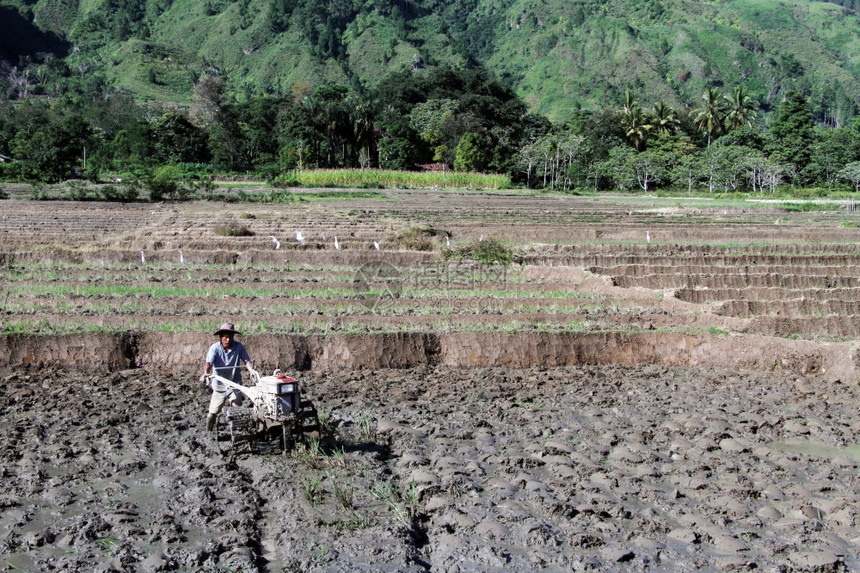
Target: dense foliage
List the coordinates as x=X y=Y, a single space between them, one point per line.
x=163 y=89
x=442 y=118
x=556 y=55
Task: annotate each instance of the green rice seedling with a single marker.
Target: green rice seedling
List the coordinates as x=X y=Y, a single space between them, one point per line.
x=531 y=405
x=345 y=494
x=310 y=487
x=359 y=521
x=320 y=558
x=365 y=426
x=324 y=417
x=383 y=490
x=336 y=459
x=309 y=453
x=411 y=499
x=107 y=544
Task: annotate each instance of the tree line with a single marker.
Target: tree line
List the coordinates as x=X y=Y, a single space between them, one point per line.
x=460 y=119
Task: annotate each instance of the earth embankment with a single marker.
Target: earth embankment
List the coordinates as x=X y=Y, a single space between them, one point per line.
x=172 y=352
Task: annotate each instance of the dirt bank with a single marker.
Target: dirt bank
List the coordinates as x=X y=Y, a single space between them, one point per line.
x=167 y=351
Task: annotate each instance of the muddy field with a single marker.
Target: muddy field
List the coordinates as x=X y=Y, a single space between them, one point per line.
x=651 y=385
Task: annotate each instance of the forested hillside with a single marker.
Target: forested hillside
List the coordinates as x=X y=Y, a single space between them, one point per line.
x=625 y=94
x=555 y=54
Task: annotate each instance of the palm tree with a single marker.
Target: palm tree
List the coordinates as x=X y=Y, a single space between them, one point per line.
x=637 y=126
x=712 y=114
x=629 y=102
x=664 y=118
x=741 y=108
x=635 y=123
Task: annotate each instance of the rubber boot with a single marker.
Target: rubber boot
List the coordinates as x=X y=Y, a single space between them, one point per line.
x=210 y=422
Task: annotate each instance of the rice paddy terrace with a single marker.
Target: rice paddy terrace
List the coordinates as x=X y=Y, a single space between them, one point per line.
x=627 y=280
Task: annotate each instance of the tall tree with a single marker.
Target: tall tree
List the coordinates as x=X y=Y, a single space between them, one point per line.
x=664 y=119
x=471 y=153
x=793 y=131
x=833 y=150
x=741 y=108
x=711 y=115
x=635 y=122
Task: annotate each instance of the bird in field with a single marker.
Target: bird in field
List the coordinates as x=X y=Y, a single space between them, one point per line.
x=142 y=257
x=300 y=238
x=648 y=236
x=324 y=239
x=181 y=258
x=336 y=244
x=481 y=238
x=276 y=241
x=448 y=242
x=375 y=244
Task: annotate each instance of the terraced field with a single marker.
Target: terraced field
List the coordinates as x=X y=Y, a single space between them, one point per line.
x=649 y=384
x=682 y=270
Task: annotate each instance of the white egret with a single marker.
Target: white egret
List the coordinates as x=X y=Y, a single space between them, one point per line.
x=276 y=241
x=181 y=258
x=481 y=238
x=142 y=257
x=448 y=242
x=324 y=239
x=336 y=244
x=648 y=236
x=300 y=238
x=375 y=244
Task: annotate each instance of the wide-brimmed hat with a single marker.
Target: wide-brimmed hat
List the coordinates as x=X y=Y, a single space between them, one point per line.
x=227 y=327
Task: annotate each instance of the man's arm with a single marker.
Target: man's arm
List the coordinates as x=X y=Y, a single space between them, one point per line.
x=249 y=364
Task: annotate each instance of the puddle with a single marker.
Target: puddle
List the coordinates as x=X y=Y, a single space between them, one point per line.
x=818 y=450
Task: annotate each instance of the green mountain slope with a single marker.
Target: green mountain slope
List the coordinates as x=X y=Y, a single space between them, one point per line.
x=557 y=54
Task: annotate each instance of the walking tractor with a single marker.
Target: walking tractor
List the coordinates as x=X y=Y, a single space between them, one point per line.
x=274 y=414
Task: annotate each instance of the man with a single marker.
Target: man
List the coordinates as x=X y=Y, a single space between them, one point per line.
x=223 y=359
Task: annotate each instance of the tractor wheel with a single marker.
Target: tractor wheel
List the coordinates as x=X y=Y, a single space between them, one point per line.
x=307 y=420
x=287 y=441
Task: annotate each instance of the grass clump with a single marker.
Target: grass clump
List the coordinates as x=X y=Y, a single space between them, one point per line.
x=233 y=229
x=418 y=238
x=489 y=252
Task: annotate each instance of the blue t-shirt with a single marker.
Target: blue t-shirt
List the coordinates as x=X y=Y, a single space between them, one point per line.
x=226 y=364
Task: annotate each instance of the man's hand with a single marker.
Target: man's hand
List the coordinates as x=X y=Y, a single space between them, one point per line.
x=205 y=379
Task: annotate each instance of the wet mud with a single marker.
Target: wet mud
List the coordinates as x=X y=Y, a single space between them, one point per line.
x=646 y=468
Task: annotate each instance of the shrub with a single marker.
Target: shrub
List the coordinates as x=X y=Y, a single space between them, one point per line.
x=111 y=192
x=163 y=183
x=77 y=190
x=489 y=252
x=38 y=190
x=418 y=238
x=285 y=180
x=233 y=229
x=203 y=183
